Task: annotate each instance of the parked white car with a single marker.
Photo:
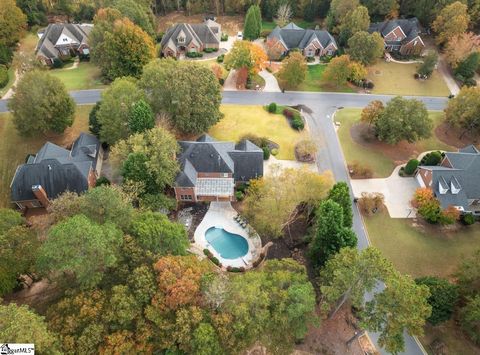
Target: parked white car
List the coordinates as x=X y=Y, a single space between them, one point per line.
x=240 y=36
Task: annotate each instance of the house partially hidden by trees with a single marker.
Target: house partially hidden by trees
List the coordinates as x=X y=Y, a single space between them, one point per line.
x=183 y=38
x=55 y=170
x=400 y=35
x=210 y=169
x=63 y=40
x=456 y=181
x=309 y=42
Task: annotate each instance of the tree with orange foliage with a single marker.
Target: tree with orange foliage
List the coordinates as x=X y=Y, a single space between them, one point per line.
x=217 y=70
x=274 y=49
x=259 y=57
x=372 y=111
x=245 y=54
x=429 y=208
x=460 y=46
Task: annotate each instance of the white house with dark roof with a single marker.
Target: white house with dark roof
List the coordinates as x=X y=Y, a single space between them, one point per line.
x=210 y=169
x=184 y=37
x=400 y=35
x=310 y=42
x=456 y=181
x=62 y=40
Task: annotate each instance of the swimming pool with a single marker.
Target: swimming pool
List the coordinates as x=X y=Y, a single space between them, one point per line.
x=228 y=245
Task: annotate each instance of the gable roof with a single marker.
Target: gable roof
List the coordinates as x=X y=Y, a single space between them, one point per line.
x=410 y=27
x=57 y=169
x=200 y=33
x=292 y=36
x=47 y=44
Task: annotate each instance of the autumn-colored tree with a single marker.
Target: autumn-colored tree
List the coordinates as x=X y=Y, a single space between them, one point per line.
x=372 y=111
x=12 y=23
x=462 y=111
x=217 y=70
x=246 y=54
x=429 y=207
x=339 y=9
x=366 y=48
x=259 y=58
x=371 y=202
x=338 y=70
x=451 y=21
x=355 y=21
x=293 y=70
x=273 y=48
x=460 y=46
x=358 y=72
x=242 y=77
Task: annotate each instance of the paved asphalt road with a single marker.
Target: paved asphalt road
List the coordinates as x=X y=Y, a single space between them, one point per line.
x=319 y=110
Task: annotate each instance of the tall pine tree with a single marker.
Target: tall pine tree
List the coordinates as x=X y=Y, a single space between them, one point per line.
x=253 y=23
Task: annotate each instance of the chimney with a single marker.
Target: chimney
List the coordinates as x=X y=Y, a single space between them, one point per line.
x=41 y=195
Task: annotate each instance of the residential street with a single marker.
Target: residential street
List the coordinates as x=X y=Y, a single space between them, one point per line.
x=319 y=109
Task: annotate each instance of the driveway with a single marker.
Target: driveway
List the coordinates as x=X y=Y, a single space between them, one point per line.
x=271 y=83
x=398 y=192
x=230 y=83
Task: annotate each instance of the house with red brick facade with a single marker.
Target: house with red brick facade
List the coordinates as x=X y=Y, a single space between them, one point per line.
x=400 y=35
x=183 y=38
x=310 y=42
x=456 y=181
x=55 y=170
x=210 y=169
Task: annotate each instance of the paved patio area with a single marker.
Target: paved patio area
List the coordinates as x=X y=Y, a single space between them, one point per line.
x=398 y=192
x=220 y=215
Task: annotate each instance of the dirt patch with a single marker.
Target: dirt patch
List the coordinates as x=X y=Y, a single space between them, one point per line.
x=332 y=335
x=400 y=153
x=39 y=296
x=230 y=24
x=451 y=135
x=196 y=212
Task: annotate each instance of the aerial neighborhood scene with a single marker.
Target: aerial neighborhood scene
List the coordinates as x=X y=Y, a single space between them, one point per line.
x=240 y=177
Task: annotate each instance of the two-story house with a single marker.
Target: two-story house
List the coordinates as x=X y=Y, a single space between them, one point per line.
x=400 y=35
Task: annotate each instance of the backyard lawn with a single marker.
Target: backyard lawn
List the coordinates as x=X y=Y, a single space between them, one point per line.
x=85 y=76
x=397 y=79
x=14 y=149
x=240 y=120
x=382 y=162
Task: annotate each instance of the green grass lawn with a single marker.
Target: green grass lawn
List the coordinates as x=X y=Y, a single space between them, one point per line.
x=11 y=80
x=86 y=76
x=240 y=120
x=212 y=62
x=14 y=149
x=397 y=79
x=381 y=164
x=314 y=81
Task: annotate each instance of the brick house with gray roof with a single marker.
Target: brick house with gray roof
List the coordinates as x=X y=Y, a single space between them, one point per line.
x=309 y=42
x=210 y=169
x=456 y=181
x=184 y=37
x=62 y=40
x=55 y=170
x=400 y=35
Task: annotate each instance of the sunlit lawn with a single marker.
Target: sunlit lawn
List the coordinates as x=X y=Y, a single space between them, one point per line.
x=86 y=76
x=314 y=81
x=240 y=120
x=14 y=149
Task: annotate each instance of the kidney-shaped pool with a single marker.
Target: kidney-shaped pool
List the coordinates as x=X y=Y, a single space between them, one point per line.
x=228 y=245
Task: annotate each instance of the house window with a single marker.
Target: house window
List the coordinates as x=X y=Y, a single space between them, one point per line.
x=186 y=197
x=181 y=39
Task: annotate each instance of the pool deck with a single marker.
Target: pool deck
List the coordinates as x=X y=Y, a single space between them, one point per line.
x=221 y=215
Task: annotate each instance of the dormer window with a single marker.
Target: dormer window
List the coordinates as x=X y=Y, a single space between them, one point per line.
x=442 y=186
x=455 y=185
x=181 y=39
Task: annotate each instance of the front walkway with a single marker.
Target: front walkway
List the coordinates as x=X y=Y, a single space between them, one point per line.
x=271 y=83
x=230 y=83
x=398 y=192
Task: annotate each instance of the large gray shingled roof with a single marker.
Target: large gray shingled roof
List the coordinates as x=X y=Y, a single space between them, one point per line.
x=293 y=36
x=199 y=33
x=411 y=27
x=50 y=36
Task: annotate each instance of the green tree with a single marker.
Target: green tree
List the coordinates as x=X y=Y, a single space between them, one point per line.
x=251 y=30
x=468 y=276
x=429 y=63
x=293 y=70
x=331 y=234
x=468 y=66
x=80 y=247
x=365 y=48
x=451 y=21
x=12 y=23
x=401 y=306
x=142 y=283
x=115 y=112
x=168 y=86
x=103 y=24
x=339 y=9
x=403 y=119
x=19 y=324
x=470 y=318
x=205 y=340
x=135 y=169
x=246 y=55
x=442 y=299
x=9 y=218
x=462 y=110
x=154 y=232
x=380 y=9
x=340 y=193
x=41 y=104
x=141 y=117
x=136 y=12
x=122 y=308
x=35 y=11
x=93 y=124
x=356 y=21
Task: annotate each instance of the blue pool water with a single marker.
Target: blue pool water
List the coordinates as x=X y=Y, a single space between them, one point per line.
x=228 y=245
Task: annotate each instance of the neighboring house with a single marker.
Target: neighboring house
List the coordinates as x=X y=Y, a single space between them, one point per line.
x=309 y=42
x=400 y=35
x=55 y=170
x=185 y=37
x=210 y=169
x=456 y=181
x=63 y=40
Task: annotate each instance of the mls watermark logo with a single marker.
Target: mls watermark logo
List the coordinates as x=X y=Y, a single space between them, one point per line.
x=17 y=349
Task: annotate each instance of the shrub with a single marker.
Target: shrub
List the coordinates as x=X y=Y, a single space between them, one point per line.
x=265 y=33
x=239 y=195
x=306 y=150
x=207 y=252
x=468 y=219
x=224 y=37
x=442 y=299
x=102 y=180
x=258 y=141
x=274 y=151
x=360 y=171
x=157 y=202
x=194 y=54
x=210 y=50
x=449 y=215
x=266 y=153
x=432 y=158
x=220 y=58
x=6 y=55
x=411 y=166
x=272 y=108
x=3 y=76
x=235 y=269
x=297 y=123
x=369 y=84
x=371 y=202
x=470 y=82
x=288 y=113
x=221 y=81
x=57 y=63
x=215 y=260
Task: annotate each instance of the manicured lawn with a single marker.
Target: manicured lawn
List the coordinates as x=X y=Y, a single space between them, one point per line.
x=14 y=149
x=314 y=81
x=381 y=164
x=397 y=79
x=86 y=76
x=421 y=250
x=240 y=120
x=11 y=80
x=212 y=62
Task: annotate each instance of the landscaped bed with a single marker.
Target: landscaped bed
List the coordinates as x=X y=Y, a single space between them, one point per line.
x=359 y=145
x=240 y=120
x=397 y=79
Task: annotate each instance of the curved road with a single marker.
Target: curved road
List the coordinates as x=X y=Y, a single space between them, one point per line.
x=319 y=111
